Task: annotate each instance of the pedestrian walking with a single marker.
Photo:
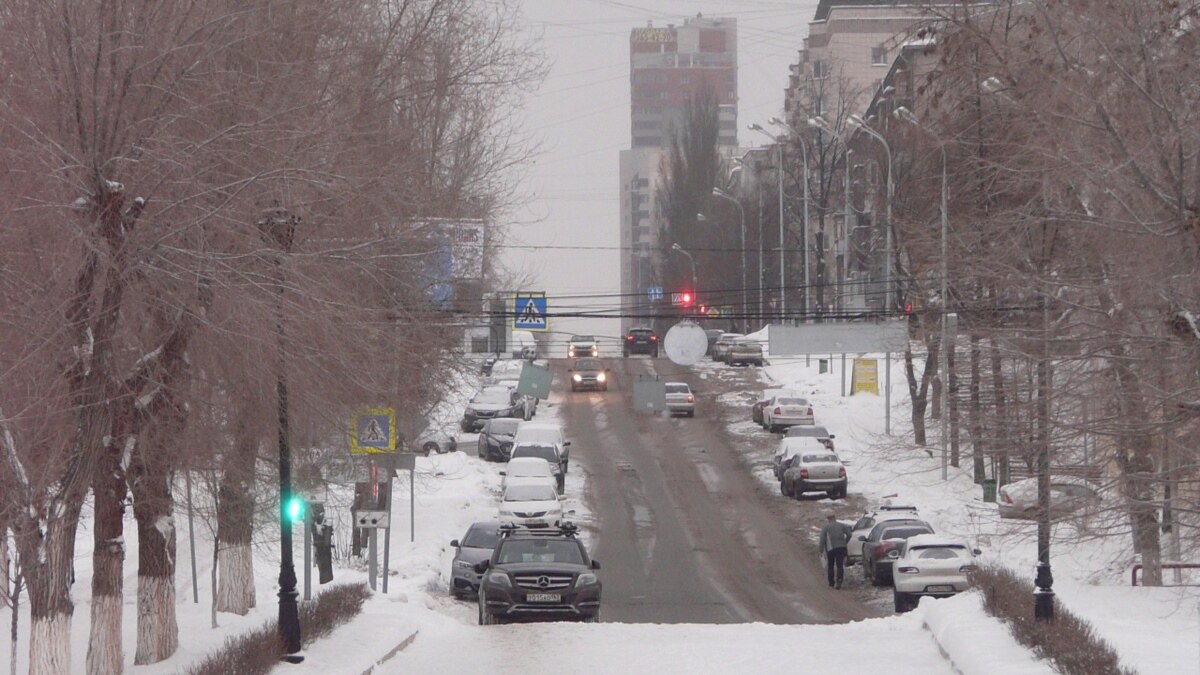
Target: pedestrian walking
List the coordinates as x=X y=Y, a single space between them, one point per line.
x=834 y=537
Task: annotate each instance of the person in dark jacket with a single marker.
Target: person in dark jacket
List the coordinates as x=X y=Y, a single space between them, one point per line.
x=834 y=537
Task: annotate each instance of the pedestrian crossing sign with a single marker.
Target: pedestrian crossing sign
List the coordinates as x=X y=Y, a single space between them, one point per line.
x=529 y=312
x=373 y=431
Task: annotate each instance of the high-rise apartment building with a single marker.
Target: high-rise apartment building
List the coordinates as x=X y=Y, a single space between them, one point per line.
x=667 y=64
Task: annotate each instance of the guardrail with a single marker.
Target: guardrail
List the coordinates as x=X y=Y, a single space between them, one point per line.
x=1166 y=566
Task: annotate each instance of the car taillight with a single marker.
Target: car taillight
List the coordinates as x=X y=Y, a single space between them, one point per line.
x=691 y=399
x=629 y=338
x=842 y=472
x=778 y=411
x=882 y=550
x=1007 y=499
x=654 y=338
x=803 y=473
x=909 y=570
x=787 y=462
x=809 y=411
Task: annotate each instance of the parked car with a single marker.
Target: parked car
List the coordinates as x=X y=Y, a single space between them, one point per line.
x=814 y=431
x=474 y=547
x=588 y=374
x=546 y=451
x=680 y=399
x=721 y=348
x=531 y=402
x=496 y=439
x=882 y=547
x=786 y=411
x=434 y=440
x=582 y=345
x=539 y=575
x=641 y=341
x=756 y=410
x=713 y=334
x=863 y=526
x=491 y=403
x=526 y=470
x=745 y=352
x=789 y=446
x=531 y=505
x=814 y=469
x=930 y=565
x=1067 y=495
x=546 y=432
x=523 y=345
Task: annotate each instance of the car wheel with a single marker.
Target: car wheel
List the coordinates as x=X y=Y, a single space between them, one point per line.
x=466 y=427
x=430 y=447
x=866 y=569
x=783 y=489
x=485 y=618
x=876 y=577
x=595 y=618
x=901 y=602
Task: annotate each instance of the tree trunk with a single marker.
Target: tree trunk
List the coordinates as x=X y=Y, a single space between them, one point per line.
x=105 y=654
x=235 y=527
x=157 y=630
x=952 y=402
x=936 y=397
x=1001 y=427
x=919 y=392
x=975 y=417
x=47 y=561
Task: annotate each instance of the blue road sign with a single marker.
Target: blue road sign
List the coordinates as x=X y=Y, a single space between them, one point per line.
x=530 y=313
x=654 y=293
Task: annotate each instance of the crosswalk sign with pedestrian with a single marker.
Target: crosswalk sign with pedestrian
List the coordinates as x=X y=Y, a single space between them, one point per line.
x=373 y=431
x=530 y=312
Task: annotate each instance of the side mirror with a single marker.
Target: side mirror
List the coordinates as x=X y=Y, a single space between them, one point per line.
x=833 y=435
x=454 y=543
x=862 y=537
x=570 y=512
x=595 y=564
x=976 y=551
x=503 y=473
x=481 y=567
x=566 y=444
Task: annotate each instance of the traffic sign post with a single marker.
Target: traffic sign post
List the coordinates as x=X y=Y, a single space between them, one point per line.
x=373 y=431
x=654 y=293
x=529 y=312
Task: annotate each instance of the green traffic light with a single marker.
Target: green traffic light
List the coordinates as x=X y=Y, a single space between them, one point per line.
x=295 y=509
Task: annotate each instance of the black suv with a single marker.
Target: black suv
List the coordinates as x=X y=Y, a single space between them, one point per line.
x=496 y=438
x=641 y=341
x=543 y=574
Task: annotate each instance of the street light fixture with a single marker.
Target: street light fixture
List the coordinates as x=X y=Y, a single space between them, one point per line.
x=804 y=156
x=857 y=122
x=782 y=265
x=718 y=192
x=677 y=247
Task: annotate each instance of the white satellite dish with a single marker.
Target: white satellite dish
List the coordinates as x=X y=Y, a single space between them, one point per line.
x=685 y=343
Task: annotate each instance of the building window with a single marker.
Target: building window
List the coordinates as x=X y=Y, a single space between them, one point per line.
x=879 y=56
x=820 y=69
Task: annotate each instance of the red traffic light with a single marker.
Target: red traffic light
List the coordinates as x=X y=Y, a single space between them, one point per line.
x=686 y=299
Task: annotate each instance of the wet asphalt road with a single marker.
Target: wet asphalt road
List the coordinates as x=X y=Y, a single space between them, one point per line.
x=684 y=531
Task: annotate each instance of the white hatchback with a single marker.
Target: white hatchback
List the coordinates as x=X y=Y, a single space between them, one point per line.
x=930 y=565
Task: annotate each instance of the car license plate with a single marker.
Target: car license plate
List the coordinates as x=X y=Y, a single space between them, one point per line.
x=940 y=588
x=543 y=597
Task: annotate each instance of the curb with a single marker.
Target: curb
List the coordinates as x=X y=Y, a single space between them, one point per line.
x=974 y=642
x=403 y=644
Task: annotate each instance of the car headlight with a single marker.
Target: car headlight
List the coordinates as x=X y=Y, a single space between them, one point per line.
x=463 y=564
x=586 y=579
x=601 y=377
x=577 y=377
x=499 y=579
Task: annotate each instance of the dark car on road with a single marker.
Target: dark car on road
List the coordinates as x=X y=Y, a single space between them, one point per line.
x=496 y=438
x=641 y=341
x=588 y=374
x=542 y=574
x=475 y=547
x=883 y=545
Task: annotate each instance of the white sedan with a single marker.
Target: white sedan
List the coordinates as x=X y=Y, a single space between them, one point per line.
x=785 y=411
x=930 y=565
x=535 y=505
x=680 y=399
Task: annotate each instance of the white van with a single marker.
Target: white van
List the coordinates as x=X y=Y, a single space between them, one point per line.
x=544 y=433
x=524 y=346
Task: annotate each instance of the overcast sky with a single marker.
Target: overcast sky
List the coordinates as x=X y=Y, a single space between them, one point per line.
x=565 y=239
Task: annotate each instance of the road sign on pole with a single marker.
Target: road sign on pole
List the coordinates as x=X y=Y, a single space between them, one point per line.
x=373 y=431
x=654 y=293
x=529 y=312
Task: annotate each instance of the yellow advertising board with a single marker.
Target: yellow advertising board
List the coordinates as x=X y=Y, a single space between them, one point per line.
x=865 y=376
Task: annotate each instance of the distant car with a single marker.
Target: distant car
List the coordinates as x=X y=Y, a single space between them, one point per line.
x=526 y=470
x=434 y=440
x=721 y=347
x=546 y=432
x=524 y=346
x=524 y=408
x=788 y=447
x=930 y=565
x=862 y=527
x=641 y=341
x=531 y=505
x=782 y=412
x=1067 y=495
x=744 y=352
x=582 y=345
x=882 y=547
x=814 y=431
x=680 y=399
x=489 y=404
x=474 y=547
x=496 y=439
x=546 y=451
x=589 y=374
x=713 y=335
x=814 y=469
x=764 y=398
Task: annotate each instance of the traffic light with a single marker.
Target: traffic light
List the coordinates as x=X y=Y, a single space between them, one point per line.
x=686 y=299
x=295 y=509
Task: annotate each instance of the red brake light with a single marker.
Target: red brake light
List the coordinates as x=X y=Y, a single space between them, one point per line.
x=629 y=338
x=778 y=410
x=810 y=411
x=691 y=399
x=842 y=472
x=654 y=338
x=803 y=472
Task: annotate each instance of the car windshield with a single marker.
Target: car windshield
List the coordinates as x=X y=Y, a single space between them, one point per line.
x=640 y=332
x=482 y=537
x=904 y=532
x=540 y=551
x=811 y=459
x=940 y=552
x=530 y=493
x=530 y=468
x=588 y=364
x=791 y=401
x=546 y=452
x=677 y=389
x=583 y=338
x=808 y=432
x=493 y=396
x=503 y=427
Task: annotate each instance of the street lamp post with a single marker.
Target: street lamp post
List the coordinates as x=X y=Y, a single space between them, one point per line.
x=857 y=122
x=718 y=192
x=782 y=266
x=804 y=157
x=278 y=226
x=677 y=247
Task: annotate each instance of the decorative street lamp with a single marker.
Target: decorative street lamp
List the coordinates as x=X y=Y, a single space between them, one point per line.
x=278 y=227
